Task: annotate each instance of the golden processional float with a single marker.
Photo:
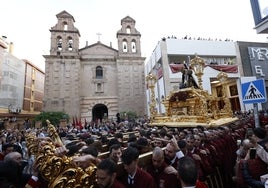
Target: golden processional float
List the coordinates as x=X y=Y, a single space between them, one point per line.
x=58 y=171
x=191 y=106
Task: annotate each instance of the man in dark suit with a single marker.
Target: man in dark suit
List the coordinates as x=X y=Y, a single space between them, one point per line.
x=165 y=176
x=106 y=174
x=135 y=176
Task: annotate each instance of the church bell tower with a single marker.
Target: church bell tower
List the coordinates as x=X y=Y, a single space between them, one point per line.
x=64 y=36
x=62 y=85
x=128 y=38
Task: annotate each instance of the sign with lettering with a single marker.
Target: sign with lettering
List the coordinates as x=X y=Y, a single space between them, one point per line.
x=259 y=61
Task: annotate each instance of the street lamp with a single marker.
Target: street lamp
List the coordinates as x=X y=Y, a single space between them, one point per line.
x=151 y=80
x=198 y=65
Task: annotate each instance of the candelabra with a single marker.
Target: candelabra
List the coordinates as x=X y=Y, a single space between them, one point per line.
x=151 y=80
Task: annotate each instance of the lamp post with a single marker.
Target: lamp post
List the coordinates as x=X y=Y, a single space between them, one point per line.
x=198 y=65
x=151 y=79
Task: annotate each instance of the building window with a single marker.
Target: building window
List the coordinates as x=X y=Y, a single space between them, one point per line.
x=133 y=46
x=124 y=46
x=128 y=30
x=65 y=26
x=99 y=87
x=99 y=72
x=59 y=43
x=70 y=44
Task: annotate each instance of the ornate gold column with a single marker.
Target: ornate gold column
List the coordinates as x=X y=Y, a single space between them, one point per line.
x=227 y=109
x=151 y=80
x=198 y=64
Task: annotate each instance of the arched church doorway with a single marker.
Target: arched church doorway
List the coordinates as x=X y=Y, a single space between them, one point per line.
x=99 y=112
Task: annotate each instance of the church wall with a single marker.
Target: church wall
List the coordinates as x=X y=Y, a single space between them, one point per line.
x=71 y=84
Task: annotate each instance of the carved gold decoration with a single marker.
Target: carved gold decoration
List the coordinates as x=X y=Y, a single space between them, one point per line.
x=59 y=172
x=198 y=65
x=151 y=80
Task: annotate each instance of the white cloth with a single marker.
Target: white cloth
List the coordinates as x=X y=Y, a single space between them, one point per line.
x=262 y=153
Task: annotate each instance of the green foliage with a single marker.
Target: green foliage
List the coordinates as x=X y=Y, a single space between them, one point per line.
x=53 y=117
x=130 y=115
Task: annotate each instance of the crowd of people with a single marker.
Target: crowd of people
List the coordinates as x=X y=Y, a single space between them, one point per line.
x=234 y=154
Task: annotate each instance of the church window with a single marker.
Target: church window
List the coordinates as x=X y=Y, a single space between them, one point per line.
x=65 y=26
x=133 y=46
x=128 y=29
x=124 y=43
x=59 y=43
x=99 y=87
x=70 y=44
x=99 y=72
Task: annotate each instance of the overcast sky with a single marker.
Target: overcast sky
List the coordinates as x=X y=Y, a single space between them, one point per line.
x=26 y=23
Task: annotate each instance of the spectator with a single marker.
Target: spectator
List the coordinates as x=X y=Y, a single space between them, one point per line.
x=173 y=153
x=135 y=176
x=161 y=172
x=106 y=175
x=115 y=153
x=188 y=173
x=6 y=148
x=143 y=145
x=12 y=172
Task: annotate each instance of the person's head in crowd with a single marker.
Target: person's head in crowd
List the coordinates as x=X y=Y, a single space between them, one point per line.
x=132 y=138
x=113 y=141
x=119 y=136
x=197 y=140
x=182 y=145
x=98 y=145
x=187 y=172
x=182 y=134
x=202 y=137
x=89 y=141
x=14 y=156
x=130 y=157
x=84 y=136
x=106 y=173
x=7 y=148
x=143 y=133
x=168 y=136
x=115 y=152
x=143 y=145
x=92 y=150
x=70 y=137
x=10 y=172
x=162 y=133
x=104 y=139
x=157 y=157
x=259 y=132
x=243 y=148
x=11 y=139
x=249 y=133
x=73 y=147
x=190 y=142
x=195 y=131
x=170 y=152
x=158 y=143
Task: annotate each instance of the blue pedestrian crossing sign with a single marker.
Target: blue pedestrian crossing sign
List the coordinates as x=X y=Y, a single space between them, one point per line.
x=254 y=92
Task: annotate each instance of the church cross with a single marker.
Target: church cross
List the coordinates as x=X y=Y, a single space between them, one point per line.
x=99 y=34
